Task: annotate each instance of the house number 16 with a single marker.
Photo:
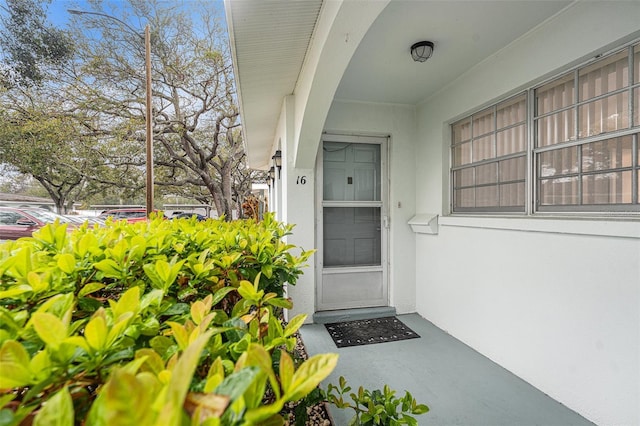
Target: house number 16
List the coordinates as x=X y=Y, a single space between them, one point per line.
x=301 y=180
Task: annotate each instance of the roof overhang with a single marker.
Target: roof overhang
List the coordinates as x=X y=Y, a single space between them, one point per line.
x=269 y=41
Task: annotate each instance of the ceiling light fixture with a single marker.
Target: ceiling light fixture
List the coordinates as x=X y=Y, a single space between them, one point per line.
x=421 y=51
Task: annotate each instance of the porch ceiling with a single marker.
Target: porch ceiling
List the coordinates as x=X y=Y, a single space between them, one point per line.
x=464 y=32
x=269 y=40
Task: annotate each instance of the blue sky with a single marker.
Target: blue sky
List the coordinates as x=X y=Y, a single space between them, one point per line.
x=59 y=16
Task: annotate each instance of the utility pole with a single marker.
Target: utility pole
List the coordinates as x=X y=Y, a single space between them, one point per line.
x=148 y=100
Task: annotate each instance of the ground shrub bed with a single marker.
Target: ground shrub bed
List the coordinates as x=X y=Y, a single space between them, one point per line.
x=165 y=322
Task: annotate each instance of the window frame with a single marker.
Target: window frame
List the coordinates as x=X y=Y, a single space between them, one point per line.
x=533 y=178
x=494 y=159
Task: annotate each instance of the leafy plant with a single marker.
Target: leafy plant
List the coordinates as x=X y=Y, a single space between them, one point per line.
x=157 y=322
x=377 y=407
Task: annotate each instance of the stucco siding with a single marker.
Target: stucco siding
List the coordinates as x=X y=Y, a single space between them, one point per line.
x=562 y=311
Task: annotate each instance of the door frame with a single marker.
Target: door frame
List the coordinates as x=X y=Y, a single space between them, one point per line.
x=384 y=268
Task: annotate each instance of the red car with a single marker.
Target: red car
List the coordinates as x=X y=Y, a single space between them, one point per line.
x=21 y=222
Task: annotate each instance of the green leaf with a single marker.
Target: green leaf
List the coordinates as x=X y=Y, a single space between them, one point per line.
x=247 y=291
x=310 y=374
x=186 y=293
x=23 y=264
x=156 y=280
x=109 y=268
x=78 y=341
x=57 y=411
x=15 y=291
x=171 y=413
x=37 y=282
x=153 y=361
x=286 y=371
x=50 y=328
x=88 y=304
x=176 y=309
x=215 y=375
x=221 y=294
x=67 y=263
x=5 y=399
x=257 y=355
x=163 y=269
x=179 y=334
x=265 y=415
x=128 y=302
x=162 y=345
x=125 y=399
x=90 y=288
x=96 y=333
x=237 y=383
x=14 y=366
x=267 y=270
x=150 y=326
x=420 y=409
x=407 y=420
x=280 y=303
x=118 y=329
x=40 y=365
x=198 y=311
x=294 y=324
x=86 y=243
x=152 y=298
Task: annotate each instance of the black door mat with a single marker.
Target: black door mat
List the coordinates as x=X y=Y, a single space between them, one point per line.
x=369 y=331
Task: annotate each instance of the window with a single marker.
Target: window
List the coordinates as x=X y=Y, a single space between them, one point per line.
x=489 y=158
x=585 y=145
x=9 y=218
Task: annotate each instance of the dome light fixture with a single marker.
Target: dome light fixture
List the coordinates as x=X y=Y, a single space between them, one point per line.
x=422 y=50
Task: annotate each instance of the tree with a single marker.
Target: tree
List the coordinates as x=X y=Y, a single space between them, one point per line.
x=40 y=143
x=40 y=133
x=14 y=182
x=45 y=136
x=29 y=44
x=197 y=137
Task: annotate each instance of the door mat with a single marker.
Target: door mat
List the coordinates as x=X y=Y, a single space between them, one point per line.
x=369 y=331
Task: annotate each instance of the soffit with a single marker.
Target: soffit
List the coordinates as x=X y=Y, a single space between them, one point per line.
x=269 y=40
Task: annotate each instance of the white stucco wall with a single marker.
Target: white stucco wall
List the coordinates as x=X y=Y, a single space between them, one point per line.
x=296 y=206
x=560 y=310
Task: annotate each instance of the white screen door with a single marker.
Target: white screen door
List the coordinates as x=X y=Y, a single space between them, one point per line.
x=351 y=227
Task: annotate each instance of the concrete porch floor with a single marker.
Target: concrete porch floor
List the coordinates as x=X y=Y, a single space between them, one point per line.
x=460 y=386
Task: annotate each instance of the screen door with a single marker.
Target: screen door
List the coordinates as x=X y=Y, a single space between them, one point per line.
x=351 y=223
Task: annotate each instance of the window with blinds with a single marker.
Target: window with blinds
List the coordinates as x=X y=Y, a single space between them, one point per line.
x=585 y=145
x=489 y=158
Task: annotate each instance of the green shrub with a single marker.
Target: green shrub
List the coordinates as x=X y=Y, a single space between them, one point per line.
x=164 y=322
x=377 y=407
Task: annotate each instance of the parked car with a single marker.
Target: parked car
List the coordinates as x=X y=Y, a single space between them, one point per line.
x=130 y=215
x=187 y=215
x=80 y=220
x=21 y=222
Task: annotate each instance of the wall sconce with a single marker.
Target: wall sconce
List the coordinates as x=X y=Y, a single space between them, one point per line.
x=272 y=174
x=421 y=51
x=277 y=161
